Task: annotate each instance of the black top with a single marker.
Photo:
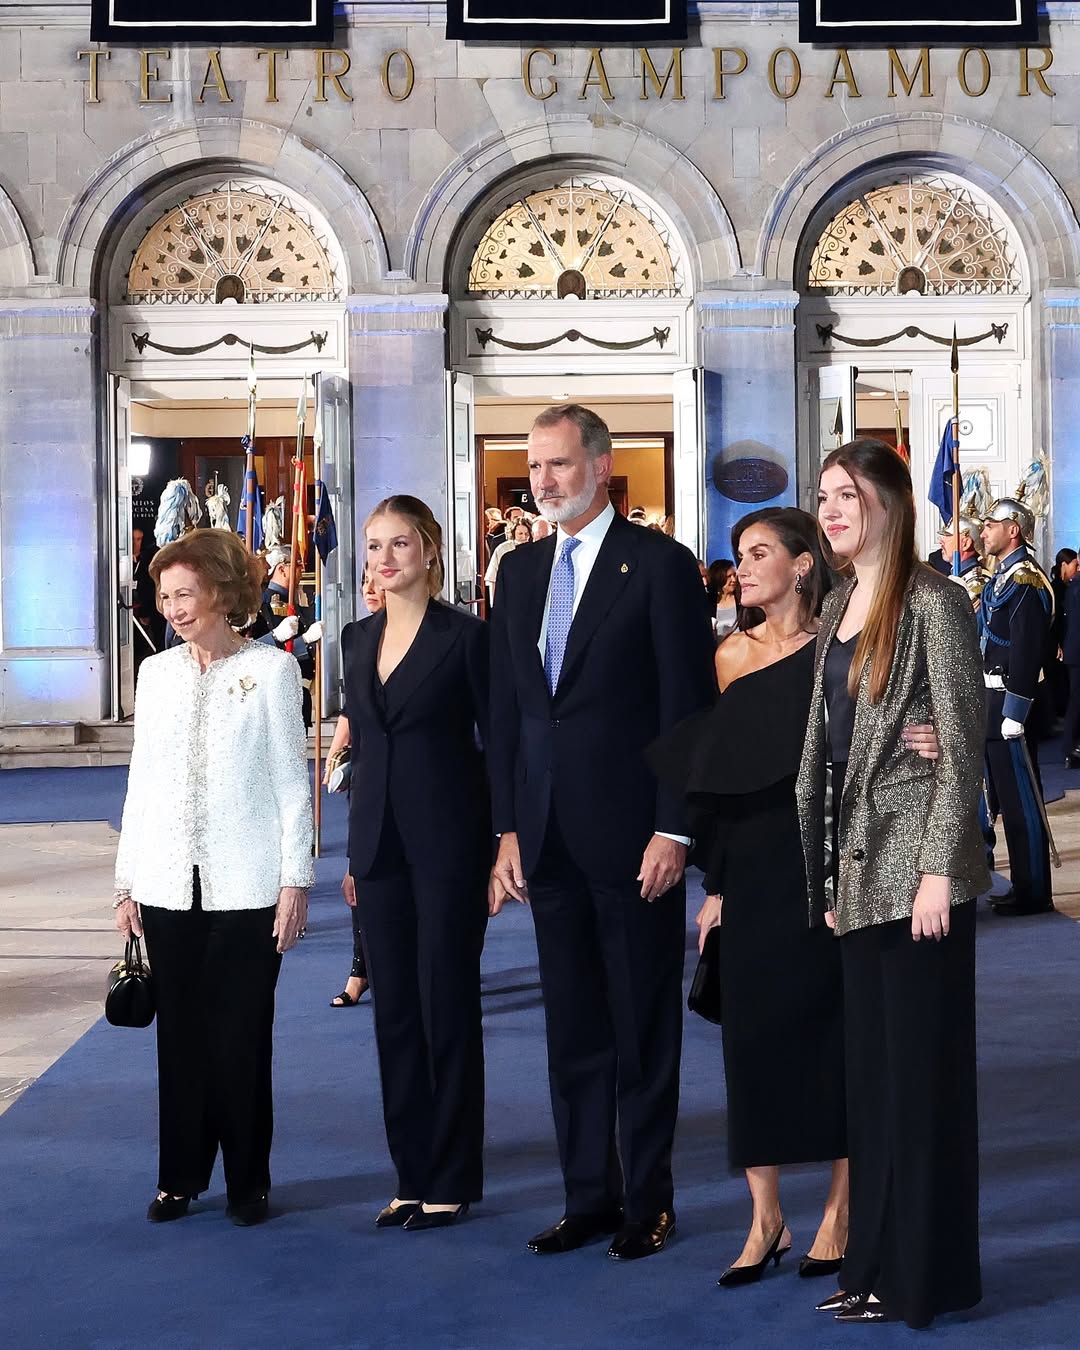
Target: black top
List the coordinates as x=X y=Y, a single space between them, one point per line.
x=840 y=704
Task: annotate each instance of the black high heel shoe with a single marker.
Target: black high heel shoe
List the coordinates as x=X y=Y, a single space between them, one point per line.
x=735 y=1275
x=434 y=1218
x=839 y=1302
x=812 y=1266
x=397 y=1216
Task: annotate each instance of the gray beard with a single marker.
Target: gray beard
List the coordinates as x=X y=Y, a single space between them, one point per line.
x=557 y=513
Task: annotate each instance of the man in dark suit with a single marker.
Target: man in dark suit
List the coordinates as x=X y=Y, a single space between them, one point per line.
x=600 y=643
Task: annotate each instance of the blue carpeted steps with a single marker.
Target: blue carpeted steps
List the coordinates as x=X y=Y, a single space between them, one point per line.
x=80 y=1267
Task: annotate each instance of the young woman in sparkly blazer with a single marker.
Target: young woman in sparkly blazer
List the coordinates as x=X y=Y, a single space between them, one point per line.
x=894 y=858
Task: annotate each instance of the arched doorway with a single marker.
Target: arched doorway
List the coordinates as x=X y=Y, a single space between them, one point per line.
x=887 y=267
x=571 y=286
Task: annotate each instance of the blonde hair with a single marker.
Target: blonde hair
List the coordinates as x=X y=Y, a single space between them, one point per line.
x=419 y=517
x=232 y=575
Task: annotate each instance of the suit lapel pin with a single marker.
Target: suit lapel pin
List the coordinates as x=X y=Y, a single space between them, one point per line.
x=625 y=568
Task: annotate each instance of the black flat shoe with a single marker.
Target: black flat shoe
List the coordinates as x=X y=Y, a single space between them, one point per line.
x=250 y=1213
x=422 y=1218
x=396 y=1216
x=736 y=1275
x=838 y=1302
x=635 y=1240
x=574 y=1230
x=863 y=1311
x=165 y=1208
x=812 y=1266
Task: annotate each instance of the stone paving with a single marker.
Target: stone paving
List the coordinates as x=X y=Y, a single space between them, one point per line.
x=57 y=938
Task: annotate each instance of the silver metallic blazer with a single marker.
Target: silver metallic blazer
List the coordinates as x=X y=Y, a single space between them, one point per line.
x=902 y=816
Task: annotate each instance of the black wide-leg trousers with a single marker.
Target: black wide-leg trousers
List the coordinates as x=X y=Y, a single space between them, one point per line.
x=1025 y=835
x=611 y=971
x=424 y=935
x=214 y=976
x=909 y=1012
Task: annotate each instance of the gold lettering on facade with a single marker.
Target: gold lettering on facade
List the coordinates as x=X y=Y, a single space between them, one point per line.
x=1027 y=70
x=792 y=80
x=527 y=77
x=272 y=53
x=962 y=73
x=673 y=74
x=322 y=74
x=410 y=75
x=719 y=71
x=148 y=73
x=922 y=67
x=843 y=62
x=214 y=76
x=92 y=84
x=599 y=80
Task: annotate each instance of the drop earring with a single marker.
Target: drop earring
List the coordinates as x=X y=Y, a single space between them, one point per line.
x=798 y=583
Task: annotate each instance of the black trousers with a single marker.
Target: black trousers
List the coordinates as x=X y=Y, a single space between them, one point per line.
x=424 y=935
x=611 y=971
x=1071 y=735
x=215 y=975
x=912 y=1118
x=1025 y=838
x=359 y=960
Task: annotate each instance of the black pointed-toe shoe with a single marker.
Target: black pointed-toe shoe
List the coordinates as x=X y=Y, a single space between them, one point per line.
x=249 y=1212
x=574 y=1231
x=165 y=1208
x=736 y=1275
x=863 y=1311
x=396 y=1216
x=635 y=1240
x=422 y=1219
x=839 y=1302
x=812 y=1266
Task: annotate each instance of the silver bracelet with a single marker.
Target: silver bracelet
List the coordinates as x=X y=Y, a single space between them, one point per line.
x=122 y=898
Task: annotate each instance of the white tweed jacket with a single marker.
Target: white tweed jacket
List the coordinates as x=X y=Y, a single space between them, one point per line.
x=218 y=780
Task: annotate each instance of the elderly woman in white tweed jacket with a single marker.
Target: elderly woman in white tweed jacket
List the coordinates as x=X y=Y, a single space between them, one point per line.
x=213 y=867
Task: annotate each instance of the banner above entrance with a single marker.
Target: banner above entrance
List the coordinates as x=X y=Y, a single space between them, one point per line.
x=953 y=23
x=547 y=21
x=252 y=22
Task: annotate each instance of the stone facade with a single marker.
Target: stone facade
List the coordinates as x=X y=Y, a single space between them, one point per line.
x=398 y=138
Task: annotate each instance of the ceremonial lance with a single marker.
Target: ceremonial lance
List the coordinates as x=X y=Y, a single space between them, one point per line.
x=249 y=462
x=954 y=365
x=299 y=513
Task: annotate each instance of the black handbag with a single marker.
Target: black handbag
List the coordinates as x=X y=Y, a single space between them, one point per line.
x=706 y=996
x=129 y=997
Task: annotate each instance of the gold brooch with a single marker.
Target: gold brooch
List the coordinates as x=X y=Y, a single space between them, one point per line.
x=247 y=684
x=624 y=568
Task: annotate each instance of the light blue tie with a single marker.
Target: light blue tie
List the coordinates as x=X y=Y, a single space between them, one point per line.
x=560 y=612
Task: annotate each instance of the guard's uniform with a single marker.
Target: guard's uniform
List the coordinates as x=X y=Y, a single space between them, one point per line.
x=1015 y=612
x=275 y=607
x=973 y=576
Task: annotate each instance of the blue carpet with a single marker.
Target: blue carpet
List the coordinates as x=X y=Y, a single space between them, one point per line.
x=81 y=1268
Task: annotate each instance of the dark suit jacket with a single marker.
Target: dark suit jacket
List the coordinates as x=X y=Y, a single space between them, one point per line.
x=422 y=761
x=639 y=658
x=1070 y=630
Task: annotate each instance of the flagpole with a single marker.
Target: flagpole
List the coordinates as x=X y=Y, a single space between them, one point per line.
x=317 y=699
x=249 y=461
x=954 y=364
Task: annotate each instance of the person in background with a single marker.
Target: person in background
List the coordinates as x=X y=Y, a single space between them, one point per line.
x=722 y=583
x=1063 y=571
x=213 y=868
x=1067 y=619
x=893 y=866
x=149 y=632
x=495 y=529
x=541 y=528
x=520 y=533
x=275 y=626
x=357 y=984
x=972 y=575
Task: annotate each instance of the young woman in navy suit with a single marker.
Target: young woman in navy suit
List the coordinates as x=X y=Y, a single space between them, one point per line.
x=420 y=848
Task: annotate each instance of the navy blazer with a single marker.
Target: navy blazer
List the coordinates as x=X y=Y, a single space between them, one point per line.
x=639 y=658
x=421 y=760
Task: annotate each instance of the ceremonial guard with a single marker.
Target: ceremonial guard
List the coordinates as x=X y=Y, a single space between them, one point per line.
x=276 y=625
x=1015 y=613
x=969 y=572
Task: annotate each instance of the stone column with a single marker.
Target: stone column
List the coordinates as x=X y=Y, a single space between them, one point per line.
x=1062 y=317
x=397 y=366
x=53 y=569
x=748 y=356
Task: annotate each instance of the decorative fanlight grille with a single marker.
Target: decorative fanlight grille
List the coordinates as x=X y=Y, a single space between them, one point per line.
x=235 y=243
x=920 y=234
x=583 y=238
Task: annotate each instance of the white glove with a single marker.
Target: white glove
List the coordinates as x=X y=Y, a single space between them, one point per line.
x=287 y=628
x=314 y=633
x=1011 y=729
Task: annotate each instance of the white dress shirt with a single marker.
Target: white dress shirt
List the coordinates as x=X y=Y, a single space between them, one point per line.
x=583 y=559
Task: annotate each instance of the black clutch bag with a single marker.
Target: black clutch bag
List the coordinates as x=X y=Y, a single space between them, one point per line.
x=129 y=997
x=705 y=997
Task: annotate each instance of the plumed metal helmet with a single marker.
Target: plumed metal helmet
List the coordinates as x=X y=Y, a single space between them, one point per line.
x=279 y=554
x=1008 y=508
x=969 y=526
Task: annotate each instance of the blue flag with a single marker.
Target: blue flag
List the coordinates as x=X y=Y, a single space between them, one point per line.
x=253 y=493
x=940 y=493
x=325 y=529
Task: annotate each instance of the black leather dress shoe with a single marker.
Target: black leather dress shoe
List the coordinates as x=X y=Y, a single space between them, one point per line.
x=839 y=1302
x=863 y=1311
x=396 y=1216
x=250 y=1212
x=574 y=1230
x=421 y=1219
x=635 y=1240
x=165 y=1208
x=1012 y=909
